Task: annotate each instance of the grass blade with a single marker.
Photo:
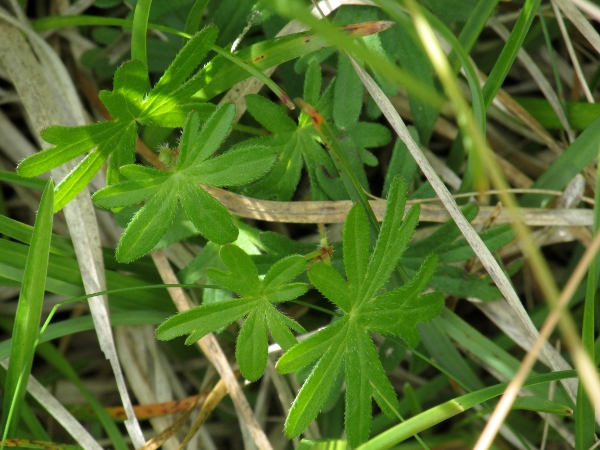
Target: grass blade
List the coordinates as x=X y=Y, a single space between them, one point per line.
x=29 y=310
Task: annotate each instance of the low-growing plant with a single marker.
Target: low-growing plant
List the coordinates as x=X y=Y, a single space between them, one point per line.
x=378 y=295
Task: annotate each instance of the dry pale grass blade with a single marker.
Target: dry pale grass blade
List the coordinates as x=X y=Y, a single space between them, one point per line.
x=586 y=369
x=474 y=240
x=212 y=401
x=336 y=211
x=540 y=79
x=578 y=19
x=211 y=348
x=576 y=66
x=59 y=412
x=589 y=8
x=505 y=100
x=170 y=431
x=149 y=383
x=42 y=108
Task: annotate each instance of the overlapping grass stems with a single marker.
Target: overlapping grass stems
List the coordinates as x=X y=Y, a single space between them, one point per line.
x=358 y=316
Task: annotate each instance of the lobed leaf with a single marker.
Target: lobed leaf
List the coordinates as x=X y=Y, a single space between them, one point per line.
x=269 y=115
x=209 y=139
x=284 y=270
x=279 y=328
x=186 y=61
x=312 y=348
x=358 y=387
x=286 y=292
x=126 y=193
x=241 y=165
x=251 y=350
x=356 y=245
x=316 y=389
x=347 y=94
x=70 y=142
x=242 y=276
x=331 y=284
x=392 y=241
x=130 y=85
x=207 y=214
x=138 y=172
x=148 y=225
x=204 y=318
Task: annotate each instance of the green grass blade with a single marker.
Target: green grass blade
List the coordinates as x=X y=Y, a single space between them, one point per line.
x=510 y=50
x=195 y=16
x=451 y=408
x=139 y=30
x=585 y=423
x=29 y=310
x=60 y=363
x=579 y=154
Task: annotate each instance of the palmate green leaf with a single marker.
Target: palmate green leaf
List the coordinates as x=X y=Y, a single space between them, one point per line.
x=186 y=61
x=240 y=165
x=163 y=190
x=450 y=247
x=347 y=94
x=207 y=214
x=331 y=284
x=394 y=313
x=197 y=145
x=252 y=350
x=242 y=276
x=70 y=142
x=206 y=318
x=258 y=298
x=129 y=88
x=83 y=174
x=294 y=144
x=148 y=225
x=316 y=388
x=393 y=239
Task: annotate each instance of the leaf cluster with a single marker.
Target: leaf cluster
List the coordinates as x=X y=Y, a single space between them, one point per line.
x=162 y=190
x=256 y=304
x=346 y=343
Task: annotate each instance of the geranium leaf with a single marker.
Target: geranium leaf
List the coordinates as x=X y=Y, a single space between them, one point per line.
x=130 y=86
x=148 y=225
x=278 y=328
x=186 y=61
x=315 y=390
x=204 y=318
x=70 y=142
x=383 y=391
x=331 y=284
x=237 y=166
x=209 y=216
x=242 y=276
x=356 y=245
x=392 y=241
x=346 y=107
x=126 y=193
x=358 y=387
x=251 y=349
x=200 y=146
x=269 y=115
x=138 y=172
x=310 y=349
x=286 y=292
x=284 y=270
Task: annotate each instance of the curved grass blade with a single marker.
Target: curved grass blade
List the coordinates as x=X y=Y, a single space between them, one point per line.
x=451 y=408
